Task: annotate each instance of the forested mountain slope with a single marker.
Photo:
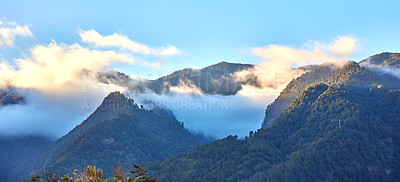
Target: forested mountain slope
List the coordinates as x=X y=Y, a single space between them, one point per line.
x=120 y=130
x=17 y=154
x=384 y=59
x=327 y=73
x=307 y=143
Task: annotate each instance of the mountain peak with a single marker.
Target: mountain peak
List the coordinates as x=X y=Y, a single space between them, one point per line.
x=224 y=63
x=115 y=95
x=384 y=59
x=117 y=101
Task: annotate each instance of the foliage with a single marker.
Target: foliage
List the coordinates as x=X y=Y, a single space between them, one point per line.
x=330 y=74
x=141 y=175
x=132 y=133
x=91 y=175
x=306 y=143
x=96 y=175
x=119 y=174
x=384 y=59
x=17 y=154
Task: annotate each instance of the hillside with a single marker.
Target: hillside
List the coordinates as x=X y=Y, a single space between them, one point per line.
x=112 y=105
x=16 y=154
x=307 y=143
x=324 y=73
x=120 y=130
x=328 y=73
x=384 y=59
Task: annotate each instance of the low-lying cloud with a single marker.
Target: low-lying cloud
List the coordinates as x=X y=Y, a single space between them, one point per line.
x=277 y=62
x=214 y=116
x=394 y=71
x=49 y=115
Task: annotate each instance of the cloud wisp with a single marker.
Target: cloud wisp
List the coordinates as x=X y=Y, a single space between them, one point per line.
x=277 y=65
x=120 y=41
x=10 y=30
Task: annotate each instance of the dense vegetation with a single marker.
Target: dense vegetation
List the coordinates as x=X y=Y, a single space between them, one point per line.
x=96 y=175
x=306 y=143
x=384 y=59
x=328 y=74
x=119 y=130
x=16 y=154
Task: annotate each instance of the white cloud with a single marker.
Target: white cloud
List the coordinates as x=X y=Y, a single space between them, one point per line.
x=344 y=46
x=58 y=67
x=382 y=69
x=185 y=88
x=211 y=115
x=276 y=69
x=116 y=40
x=9 y=30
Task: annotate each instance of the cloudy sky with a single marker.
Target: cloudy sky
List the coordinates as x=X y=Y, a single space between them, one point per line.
x=205 y=32
x=46 y=45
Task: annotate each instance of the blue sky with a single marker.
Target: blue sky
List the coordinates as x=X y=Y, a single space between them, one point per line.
x=207 y=32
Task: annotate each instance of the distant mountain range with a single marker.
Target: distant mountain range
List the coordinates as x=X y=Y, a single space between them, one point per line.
x=217 y=79
x=214 y=79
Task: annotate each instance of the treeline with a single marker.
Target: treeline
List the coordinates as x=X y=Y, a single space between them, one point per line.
x=96 y=175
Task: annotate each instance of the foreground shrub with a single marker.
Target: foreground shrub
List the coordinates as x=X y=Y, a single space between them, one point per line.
x=96 y=175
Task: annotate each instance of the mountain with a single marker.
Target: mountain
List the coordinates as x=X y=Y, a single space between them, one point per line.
x=115 y=77
x=324 y=73
x=343 y=131
x=120 y=130
x=112 y=105
x=17 y=153
x=214 y=79
x=383 y=59
x=9 y=96
x=328 y=73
